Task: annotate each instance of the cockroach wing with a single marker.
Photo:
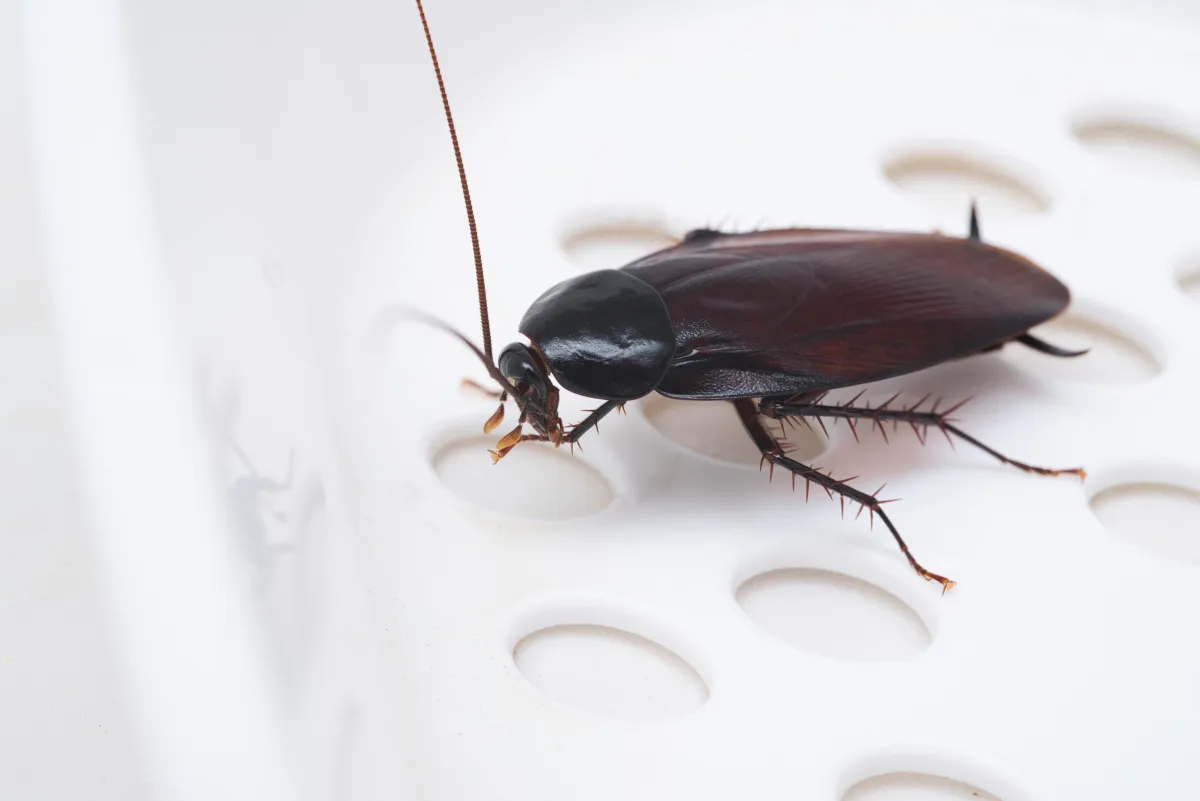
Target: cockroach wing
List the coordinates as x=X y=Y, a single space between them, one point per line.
x=789 y=311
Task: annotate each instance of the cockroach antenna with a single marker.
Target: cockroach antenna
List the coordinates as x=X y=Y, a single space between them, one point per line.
x=462 y=178
x=480 y=286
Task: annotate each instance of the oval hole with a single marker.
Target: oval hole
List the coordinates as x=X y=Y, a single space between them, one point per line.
x=1162 y=518
x=713 y=430
x=833 y=614
x=609 y=672
x=914 y=787
x=611 y=245
x=1153 y=150
x=946 y=181
x=534 y=480
x=1114 y=357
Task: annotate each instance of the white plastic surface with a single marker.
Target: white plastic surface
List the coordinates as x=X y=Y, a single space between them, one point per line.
x=319 y=587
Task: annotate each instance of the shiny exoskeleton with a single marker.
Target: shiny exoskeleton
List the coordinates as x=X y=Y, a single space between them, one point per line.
x=770 y=321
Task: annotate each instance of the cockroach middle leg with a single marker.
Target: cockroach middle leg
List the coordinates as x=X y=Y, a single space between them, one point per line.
x=920 y=421
x=773 y=454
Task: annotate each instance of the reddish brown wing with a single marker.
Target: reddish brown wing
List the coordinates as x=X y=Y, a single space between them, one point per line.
x=781 y=312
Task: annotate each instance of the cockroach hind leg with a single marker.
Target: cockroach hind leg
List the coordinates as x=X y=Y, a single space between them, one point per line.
x=773 y=454
x=948 y=429
x=934 y=418
x=947 y=584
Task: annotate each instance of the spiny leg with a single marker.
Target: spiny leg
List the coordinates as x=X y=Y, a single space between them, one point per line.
x=591 y=421
x=920 y=422
x=773 y=454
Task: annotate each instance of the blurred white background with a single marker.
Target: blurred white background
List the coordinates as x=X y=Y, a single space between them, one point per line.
x=247 y=555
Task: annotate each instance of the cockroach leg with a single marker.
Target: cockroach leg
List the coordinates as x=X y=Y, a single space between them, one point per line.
x=497 y=455
x=515 y=437
x=591 y=421
x=773 y=454
x=918 y=420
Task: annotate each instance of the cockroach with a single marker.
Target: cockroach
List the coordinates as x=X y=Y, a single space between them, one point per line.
x=769 y=321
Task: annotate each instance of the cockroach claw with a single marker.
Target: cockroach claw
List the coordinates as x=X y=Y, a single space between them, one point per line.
x=497 y=455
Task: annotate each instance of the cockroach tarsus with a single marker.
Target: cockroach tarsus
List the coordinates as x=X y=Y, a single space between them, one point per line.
x=770 y=321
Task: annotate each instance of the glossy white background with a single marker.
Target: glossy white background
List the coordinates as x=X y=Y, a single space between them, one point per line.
x=255 y=548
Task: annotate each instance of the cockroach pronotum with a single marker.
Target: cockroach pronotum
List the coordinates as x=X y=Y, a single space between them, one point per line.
x=769 y=321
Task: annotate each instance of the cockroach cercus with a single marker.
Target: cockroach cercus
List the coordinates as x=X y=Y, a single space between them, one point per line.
x=769 y=321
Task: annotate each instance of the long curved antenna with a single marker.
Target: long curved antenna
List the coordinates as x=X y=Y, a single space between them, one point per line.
x=462 y=177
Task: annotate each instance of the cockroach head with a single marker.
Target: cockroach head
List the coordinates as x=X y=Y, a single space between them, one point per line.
x=523 y=375
x=533 y=390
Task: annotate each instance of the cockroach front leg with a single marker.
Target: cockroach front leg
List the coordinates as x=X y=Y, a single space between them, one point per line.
x=515 y=437
x=773 y=454
x=920 y=422
x=591 y=421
